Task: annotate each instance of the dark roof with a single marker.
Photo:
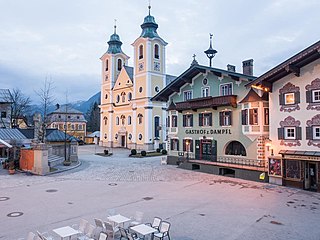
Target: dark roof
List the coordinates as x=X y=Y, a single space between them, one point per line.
x=5 y=96
x=300 y=153
x=291 y=65
x=66 y=109
x=52 y=135
x=172 y=106
x=252 y=96
x=129 y=71
x=186 y=77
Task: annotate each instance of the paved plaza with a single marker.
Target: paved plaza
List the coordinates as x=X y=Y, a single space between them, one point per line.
x=199 y=206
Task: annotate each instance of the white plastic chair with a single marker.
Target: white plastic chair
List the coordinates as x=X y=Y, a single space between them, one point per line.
x=163 y=231
x=156 y=223
x=103 y=236
x=109 y=229
x=99 y=223
x=88 y=233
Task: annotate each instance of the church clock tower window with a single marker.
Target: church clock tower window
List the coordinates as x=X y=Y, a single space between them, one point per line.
x=119 y=64
x=140 y=51
x=156 y=51
x=107 y=65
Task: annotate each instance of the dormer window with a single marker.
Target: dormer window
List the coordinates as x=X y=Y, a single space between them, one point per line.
x=156 y=51
x=140 y=51
x=119 y=64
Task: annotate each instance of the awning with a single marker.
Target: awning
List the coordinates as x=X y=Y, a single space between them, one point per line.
x=5 y=143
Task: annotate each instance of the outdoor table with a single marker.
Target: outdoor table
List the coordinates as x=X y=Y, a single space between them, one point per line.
x=118 y=219
x=64 y=232
x=143 y=229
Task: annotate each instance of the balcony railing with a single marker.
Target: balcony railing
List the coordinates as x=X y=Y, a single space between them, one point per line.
x=207 y=102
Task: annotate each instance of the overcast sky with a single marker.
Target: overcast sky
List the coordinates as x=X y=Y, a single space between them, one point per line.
x=63 y=40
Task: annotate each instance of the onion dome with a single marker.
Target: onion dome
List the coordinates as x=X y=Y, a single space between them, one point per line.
x=149 y=27
x=114 y=43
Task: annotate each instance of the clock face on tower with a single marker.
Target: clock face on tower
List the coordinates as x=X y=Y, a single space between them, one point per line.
x=141 y=66
x=156 y=66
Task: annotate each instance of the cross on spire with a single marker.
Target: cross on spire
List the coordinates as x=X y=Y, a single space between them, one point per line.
x=194 y=56
x=149 y=6
x=115 y=26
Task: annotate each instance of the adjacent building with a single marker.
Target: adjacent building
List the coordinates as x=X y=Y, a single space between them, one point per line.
x=5 y=108
x=66 y=117
x=294 y=101
x=129 y=118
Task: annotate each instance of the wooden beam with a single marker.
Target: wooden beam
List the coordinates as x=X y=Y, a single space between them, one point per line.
x=187 y=80
x=234 y=77
x=267 y=85
x=175 y=89
x=218 y=74
x=293 y=69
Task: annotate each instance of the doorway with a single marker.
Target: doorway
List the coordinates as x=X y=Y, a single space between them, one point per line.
x=206 y=149
x=310 y=182
x=123 y=141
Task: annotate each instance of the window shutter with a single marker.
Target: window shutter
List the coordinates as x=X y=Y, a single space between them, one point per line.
x=280 y=133
x=309 y=96
x=230 y=114
x=171 y=142
x=184 y=145
x=191 y=121
x=298 y=133
x=309 y=133
x=244 y=116
x=191 y=145
x=200 y=119
x=297 y=97
x=221 y=119
x=177 y=144
x=251 y=116
x=281 y=99
x=210 y=119
x=184 y=118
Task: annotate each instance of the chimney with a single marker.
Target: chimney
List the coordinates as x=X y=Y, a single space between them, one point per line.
x=247 y=67
x=231 y=68
x=57 y=106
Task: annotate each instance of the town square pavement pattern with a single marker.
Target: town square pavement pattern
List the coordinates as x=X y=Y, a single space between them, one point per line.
x=199 y=206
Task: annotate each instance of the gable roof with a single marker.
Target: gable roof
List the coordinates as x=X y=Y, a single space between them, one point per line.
x=252 y=96
x=129 y=71
x=52 y=135
x=8 y=134
x=63 y=109
x=291 y=65
x=191 y=72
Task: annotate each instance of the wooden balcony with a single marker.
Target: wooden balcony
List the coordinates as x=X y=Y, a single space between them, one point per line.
x=207 y=102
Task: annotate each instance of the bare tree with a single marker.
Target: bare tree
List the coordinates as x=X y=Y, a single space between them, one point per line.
x=19 y=107
x=46 y=100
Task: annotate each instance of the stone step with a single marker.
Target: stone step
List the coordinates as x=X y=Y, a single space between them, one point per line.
x=54 y=160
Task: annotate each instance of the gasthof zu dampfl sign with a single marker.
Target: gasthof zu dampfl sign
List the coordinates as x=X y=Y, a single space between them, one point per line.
x=211 y=131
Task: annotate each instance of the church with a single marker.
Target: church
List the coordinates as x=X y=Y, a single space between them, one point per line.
x=129 y=118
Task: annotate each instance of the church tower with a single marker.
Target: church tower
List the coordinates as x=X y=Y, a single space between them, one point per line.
x=149 y=79
x=112 y=63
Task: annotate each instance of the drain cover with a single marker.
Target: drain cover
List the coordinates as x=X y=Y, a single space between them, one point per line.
x=147 y=198
x=51 y=190
x=112 y=184
x=15 y=214
x=4 y=198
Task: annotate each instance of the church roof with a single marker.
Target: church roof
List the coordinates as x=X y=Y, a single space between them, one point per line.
x=252 y=96
x=129 y=71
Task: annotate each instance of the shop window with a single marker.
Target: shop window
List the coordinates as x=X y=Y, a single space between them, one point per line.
x=174 y=121
x=119 y=64
x=205 y=92
x=226 y=89
x=235 y=148
x=156 y=51
x=187 y=95
x=205 y=119
x=174 y=144
x=225 y=118
x=140 y=118
x=293 y=169
x=187 y=145
x=140 y=51
x=187 y=120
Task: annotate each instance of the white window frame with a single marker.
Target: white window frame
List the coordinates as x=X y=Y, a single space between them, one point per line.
x=223 y=91
x=286 y=132
x=314 y=95
x=188 y=120
x=187 y=95
x=205 y=91
x=226 y=119
x=315 y=128
x=285 y=98
x=175 y=144
x=206 y=120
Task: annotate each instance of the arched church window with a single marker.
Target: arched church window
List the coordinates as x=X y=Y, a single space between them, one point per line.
x=235 y=148
x=129 y=120
x=129 y=96
x=156 y=51
x=107 y=65
x=118 y=99
x=119 y=64
x=117 y=120
x=105 y=120
x=140 y=117
x=140 y=51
